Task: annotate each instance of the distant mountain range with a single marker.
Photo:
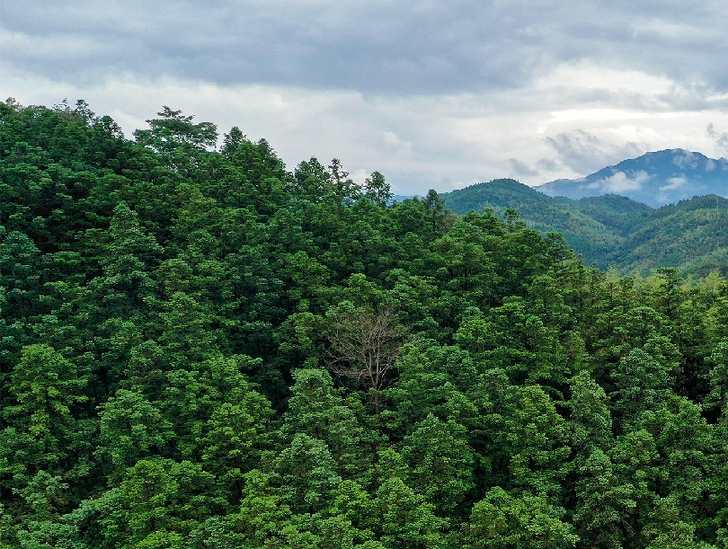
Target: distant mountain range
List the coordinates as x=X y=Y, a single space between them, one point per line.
x=616 y=230
x=655 y=179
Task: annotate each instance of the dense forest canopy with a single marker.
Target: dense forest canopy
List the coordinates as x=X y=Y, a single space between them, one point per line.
x=202 y=349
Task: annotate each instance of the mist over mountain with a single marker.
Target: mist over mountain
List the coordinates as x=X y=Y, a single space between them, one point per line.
x=655 y=178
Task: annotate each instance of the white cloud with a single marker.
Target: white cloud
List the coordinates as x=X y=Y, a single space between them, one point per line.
x=620 y=182
x=685 y=160
x=674 y=183
x=392 y=140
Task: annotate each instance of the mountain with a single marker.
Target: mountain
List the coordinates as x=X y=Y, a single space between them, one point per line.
x=592 y=228
x=655 y=179
x=615 y=230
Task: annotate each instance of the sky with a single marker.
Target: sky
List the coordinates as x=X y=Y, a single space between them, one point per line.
x=433 y=94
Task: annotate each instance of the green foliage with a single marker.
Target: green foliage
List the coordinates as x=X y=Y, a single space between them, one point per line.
x=307 y=473
x=176 y=138
x=130 y=428
x=201 y=349
x=407 y=520
x=502 y=521
x=317 y=410
x=441 y=463
x=604 y=504
x=614 y=230
x=536 y=437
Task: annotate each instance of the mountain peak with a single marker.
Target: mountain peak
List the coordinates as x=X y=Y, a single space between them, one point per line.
x=655 y=178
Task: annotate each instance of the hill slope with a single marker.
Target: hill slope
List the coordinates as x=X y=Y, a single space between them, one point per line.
x=585 y=233
x=692 y=234
x=615 y=230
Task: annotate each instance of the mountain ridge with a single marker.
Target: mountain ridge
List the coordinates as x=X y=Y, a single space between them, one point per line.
x=654 y=178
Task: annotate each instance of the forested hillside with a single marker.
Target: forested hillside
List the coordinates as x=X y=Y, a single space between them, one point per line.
x=611 y=230
x=201 y=349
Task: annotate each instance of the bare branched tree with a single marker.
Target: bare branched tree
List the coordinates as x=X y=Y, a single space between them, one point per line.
x=364 y=346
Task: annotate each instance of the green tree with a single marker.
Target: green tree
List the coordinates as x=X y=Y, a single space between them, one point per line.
x=537 y=439
x=666 y=528
x=435 y=210
x=635 y=463
x=20 y=275
x=407 y=520
x=442 y=463
x=50 y=535
x=116 y=304
x=501 y=521
x=590 y=421
x=308 y=474
x=194 y=399
x=434 y=380
x=642 y=384
x=687 y=449
x=718 y=396
x=316 y=409
x=131 y=428
x=175 y=137
x=236 y=435
x=158 y=503
x=520 y=342
x=43 y=428
x=377 y=189
x=603 y=503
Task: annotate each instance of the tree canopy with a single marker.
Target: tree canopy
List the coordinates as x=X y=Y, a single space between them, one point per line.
x=200 y=348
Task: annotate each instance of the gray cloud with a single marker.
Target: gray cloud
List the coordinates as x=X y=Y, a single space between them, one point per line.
x=548 y=165
x=584 y=153
x=721 y=140
x=371 y=46
x=521 y=168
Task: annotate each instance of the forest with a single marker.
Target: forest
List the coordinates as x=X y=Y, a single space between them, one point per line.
x=202 y=349
x=612 y=231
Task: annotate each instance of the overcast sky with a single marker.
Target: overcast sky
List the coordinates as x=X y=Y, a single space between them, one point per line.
x=432 y=94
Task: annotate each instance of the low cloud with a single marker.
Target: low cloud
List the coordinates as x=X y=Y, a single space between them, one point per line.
x=686 y=159
x=620 y=182
x=548 y=165
x=674 y=183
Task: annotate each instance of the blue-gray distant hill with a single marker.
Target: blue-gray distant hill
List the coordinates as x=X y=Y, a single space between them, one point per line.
x=615 y=230
x=656 y=179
